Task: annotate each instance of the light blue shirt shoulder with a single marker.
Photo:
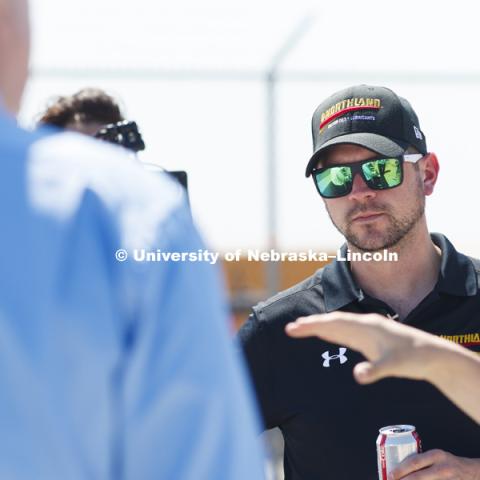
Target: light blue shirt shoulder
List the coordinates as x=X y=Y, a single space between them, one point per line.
x=110 y=369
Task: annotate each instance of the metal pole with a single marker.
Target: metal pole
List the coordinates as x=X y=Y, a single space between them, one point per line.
x=273 y=270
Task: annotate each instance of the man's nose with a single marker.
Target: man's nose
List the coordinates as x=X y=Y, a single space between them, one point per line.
x=360 y=190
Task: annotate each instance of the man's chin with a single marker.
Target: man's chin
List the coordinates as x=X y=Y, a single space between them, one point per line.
x=369 y=247
x=370 y=242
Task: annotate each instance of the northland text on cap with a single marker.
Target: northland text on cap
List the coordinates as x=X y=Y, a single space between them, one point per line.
x=372 y=117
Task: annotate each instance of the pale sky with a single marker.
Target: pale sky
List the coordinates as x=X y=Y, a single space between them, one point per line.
x=192 y=75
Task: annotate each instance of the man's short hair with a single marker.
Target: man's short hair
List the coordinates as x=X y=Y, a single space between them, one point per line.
x=89 y=105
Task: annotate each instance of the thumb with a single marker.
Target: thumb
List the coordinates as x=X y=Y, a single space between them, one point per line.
x=368 y=372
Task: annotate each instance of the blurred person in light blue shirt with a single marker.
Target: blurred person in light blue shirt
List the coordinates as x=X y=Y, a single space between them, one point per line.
x=108 y=369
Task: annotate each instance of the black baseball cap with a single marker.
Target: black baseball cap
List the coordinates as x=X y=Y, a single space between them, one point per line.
x=372 y=117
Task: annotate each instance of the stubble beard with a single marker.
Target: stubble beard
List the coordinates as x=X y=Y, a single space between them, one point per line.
x=369 y=237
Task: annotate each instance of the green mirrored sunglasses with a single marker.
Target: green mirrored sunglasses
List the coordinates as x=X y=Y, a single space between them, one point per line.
x=378 y=173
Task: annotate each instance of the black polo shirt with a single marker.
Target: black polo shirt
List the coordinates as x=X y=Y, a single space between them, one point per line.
x=306 y=387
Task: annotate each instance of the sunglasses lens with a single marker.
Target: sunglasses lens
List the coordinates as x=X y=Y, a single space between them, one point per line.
x=384 y=173
x=334 y=181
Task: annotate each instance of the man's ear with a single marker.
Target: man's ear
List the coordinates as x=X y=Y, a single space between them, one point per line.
x=429 y=169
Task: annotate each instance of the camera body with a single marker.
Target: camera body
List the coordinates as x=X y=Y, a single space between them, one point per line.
x=123 y=133
x=127 y=135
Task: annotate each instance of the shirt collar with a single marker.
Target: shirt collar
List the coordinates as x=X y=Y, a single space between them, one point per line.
x=457 y=276
x=339 y=287
x=457 y=273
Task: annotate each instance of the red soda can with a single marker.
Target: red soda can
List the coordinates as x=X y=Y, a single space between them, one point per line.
x=394 y=444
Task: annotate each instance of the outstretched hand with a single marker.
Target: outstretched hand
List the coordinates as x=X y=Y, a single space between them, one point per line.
x=392 y=349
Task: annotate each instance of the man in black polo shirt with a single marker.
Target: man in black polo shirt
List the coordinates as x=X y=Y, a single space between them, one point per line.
x=373 y=171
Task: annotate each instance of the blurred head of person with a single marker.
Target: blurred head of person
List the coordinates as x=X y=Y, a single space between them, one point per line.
x=86 y=111
x=14 y=52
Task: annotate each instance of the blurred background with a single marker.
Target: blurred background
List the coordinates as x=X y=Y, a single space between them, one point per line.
x=225 y=90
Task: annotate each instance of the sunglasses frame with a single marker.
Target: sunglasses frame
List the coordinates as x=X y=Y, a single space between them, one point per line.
x=356 y=167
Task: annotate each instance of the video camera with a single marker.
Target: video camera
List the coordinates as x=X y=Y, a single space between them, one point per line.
x=124 y=133
x=127 y=135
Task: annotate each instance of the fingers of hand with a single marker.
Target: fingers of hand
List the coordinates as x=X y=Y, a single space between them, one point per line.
x=366 y=372
x=304 y=326
x=315 y=325
x=332 y=326
x=435 y=472
x=434 y=464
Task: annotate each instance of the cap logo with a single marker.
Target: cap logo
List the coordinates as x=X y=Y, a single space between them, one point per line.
x=418 y=133
x=348 y=105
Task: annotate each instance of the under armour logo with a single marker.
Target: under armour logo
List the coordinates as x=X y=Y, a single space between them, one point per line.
x=341 y=356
